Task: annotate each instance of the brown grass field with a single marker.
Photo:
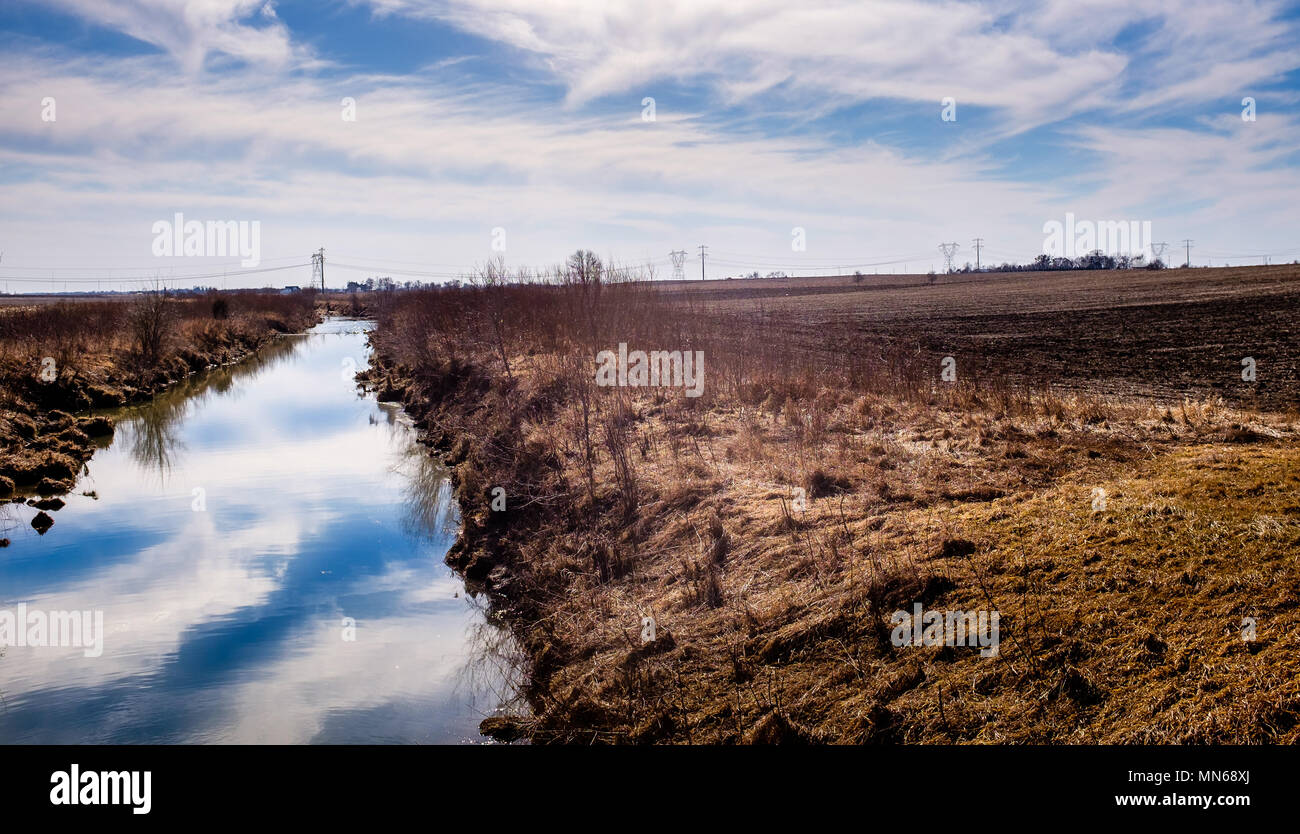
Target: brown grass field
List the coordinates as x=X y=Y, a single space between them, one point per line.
x=1098 y=473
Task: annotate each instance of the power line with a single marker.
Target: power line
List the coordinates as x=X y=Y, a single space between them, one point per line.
x=97 y=268
x=838 y=259
x=834 y=263
x=149 y=279
x=839 y=269
x=98 y=275
x=408 y=272
x=842 y=268
x=393 y=261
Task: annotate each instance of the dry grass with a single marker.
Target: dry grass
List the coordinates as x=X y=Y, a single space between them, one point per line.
x=60 y=359
x=772 y=525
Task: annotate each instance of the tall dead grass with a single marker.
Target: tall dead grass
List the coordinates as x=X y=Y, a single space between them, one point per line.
x=771 y=514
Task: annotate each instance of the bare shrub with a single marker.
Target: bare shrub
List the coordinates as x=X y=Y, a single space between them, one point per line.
x=150 y=319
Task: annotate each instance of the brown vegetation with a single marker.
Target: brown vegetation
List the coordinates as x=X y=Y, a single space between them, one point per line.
x=827 y=477
x=61 y=361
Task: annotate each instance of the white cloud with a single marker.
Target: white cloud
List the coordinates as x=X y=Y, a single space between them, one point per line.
x=190 y=30
x=436 y=155
x=1038 y=61
x=431 y=165
x=851 y=51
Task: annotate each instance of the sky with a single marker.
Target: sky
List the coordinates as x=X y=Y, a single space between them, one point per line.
x=421 y=138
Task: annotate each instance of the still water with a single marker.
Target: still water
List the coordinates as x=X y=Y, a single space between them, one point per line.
x=237 y=527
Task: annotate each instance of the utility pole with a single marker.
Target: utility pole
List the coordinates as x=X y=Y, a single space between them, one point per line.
x=318 y=268
x=1188 y=243
x=702 y=257
x=979 y=241
x=679 y=263
x=948 y=249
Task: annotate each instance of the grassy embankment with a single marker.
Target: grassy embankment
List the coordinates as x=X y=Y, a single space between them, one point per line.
x=59 y=361
x=1123 y=541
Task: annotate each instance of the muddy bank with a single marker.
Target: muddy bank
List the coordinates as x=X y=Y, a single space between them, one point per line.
x=451 y=409
x=48 y=426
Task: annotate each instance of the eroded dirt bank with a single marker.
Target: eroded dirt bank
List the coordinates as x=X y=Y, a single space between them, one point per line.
x=61 y=363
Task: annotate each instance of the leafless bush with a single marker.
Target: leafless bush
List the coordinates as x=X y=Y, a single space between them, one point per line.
x=150 y=319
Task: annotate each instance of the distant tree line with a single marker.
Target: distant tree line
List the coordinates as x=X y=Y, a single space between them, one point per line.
x=384 y=284
x=1095 y=259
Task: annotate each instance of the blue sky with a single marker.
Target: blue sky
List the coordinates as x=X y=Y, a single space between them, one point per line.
x=521 y=122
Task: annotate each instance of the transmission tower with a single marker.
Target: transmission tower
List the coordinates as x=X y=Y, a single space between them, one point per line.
x=702 y=257
x=949 y=249
x=679 y=264
x=1158 y=250
x=1187 y=241
x=318 y=269
x=979 y=241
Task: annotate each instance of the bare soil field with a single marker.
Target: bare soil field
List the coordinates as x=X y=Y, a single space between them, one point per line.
x=1165 y=334
x=43 y=300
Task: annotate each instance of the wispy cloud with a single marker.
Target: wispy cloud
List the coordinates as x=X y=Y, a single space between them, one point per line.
x=191 y=31
x=1097 y=108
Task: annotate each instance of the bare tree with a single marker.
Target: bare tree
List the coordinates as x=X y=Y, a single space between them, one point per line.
x=491 y=280
x=150 y=319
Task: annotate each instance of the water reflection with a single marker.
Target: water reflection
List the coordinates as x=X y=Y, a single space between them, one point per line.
x=496 y=664
x=229 y=622
x=151 y=430
x=429 y=507
x=153 y=437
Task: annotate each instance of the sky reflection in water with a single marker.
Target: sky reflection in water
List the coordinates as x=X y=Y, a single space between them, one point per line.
x=226 y=624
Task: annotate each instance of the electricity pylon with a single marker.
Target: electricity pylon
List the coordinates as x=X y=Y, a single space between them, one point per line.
x=318 y=268
x=679 y=264
x=949 y=249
